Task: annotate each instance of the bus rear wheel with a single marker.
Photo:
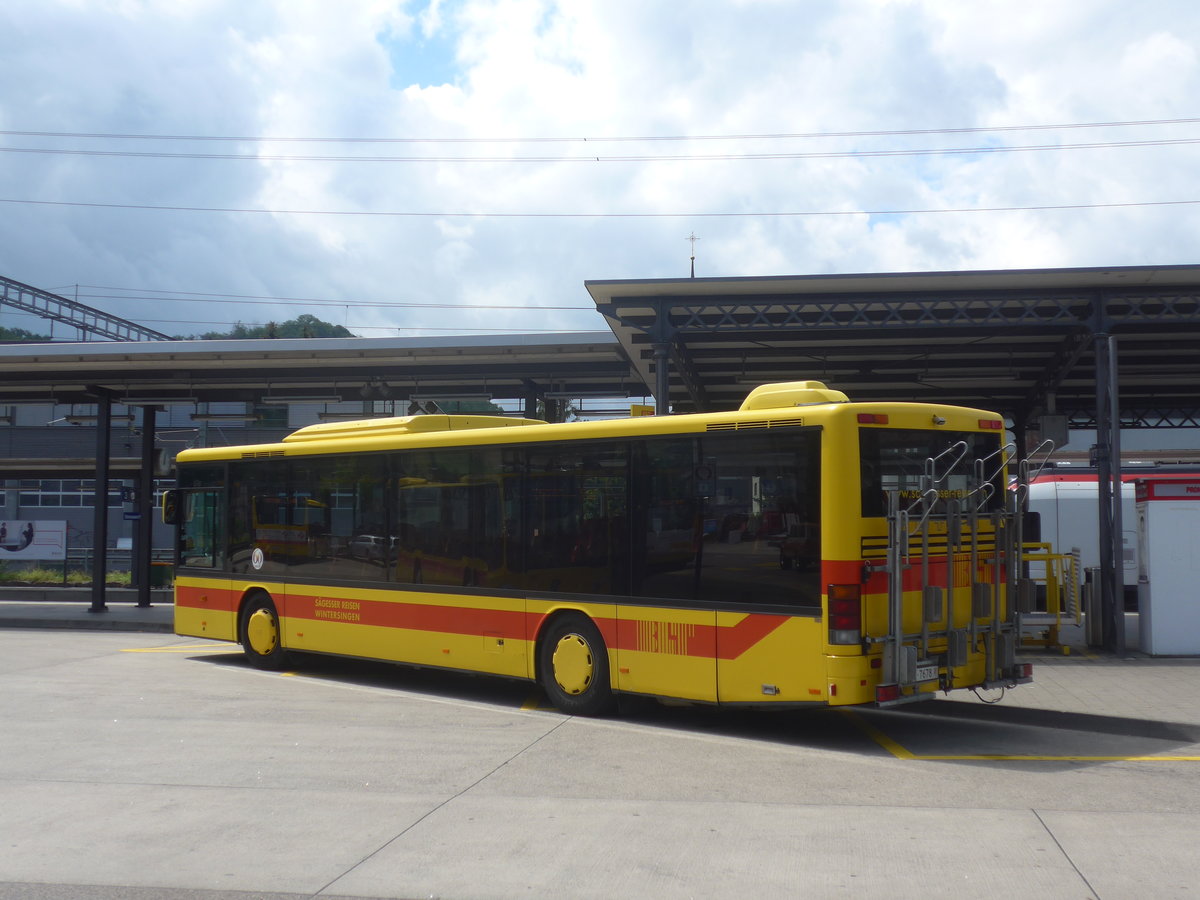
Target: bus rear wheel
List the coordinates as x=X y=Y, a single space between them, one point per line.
x=261 y=634
x=573 y=667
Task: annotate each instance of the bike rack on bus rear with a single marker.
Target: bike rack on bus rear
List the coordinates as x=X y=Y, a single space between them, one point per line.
x=909 y=663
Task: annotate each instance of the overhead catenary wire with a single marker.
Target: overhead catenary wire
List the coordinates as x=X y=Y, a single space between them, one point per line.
x=604 y=215
x=596 y=158
x=573 y=153
x=591 y=157
x=903 y=132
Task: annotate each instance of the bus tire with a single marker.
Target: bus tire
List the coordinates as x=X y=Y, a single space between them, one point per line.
x=573 y=667
x=261 y=634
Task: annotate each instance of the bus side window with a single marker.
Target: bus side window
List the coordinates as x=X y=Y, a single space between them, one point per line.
x=200 y=539
x=576 y=518
x=764 y=501
x=258 y=517
x=668 y=494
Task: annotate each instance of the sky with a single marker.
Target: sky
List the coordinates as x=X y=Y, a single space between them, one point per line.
x=441 y=167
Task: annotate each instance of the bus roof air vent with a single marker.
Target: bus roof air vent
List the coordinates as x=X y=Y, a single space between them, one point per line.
x=791 y=393
x=368 y=428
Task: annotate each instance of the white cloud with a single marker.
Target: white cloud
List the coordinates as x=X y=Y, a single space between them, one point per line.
x=519 y=69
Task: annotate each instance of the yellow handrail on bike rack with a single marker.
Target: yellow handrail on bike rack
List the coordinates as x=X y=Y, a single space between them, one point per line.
x=1058 y=576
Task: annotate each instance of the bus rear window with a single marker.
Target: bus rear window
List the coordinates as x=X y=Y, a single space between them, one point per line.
x=895 y=459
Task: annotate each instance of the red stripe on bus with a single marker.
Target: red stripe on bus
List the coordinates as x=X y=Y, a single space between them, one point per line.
x=852 y=572
x=665 y=637
x=411 y=616
x=705 y=641
x=220 y=599
x=733 y=642
x=688 y=639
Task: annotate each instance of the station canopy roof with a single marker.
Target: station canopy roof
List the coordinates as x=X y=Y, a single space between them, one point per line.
x=1014 y=341
x=1018 y=341
x=320 y=369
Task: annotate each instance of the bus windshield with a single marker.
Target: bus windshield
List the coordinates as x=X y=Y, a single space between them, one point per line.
x=895 y=459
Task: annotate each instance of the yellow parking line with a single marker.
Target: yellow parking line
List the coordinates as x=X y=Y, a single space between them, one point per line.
x=1031 y=758
x=898 y=751
x=877 y=736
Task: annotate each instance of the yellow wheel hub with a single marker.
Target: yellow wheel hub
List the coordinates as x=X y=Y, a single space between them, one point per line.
x=574 y=667
x=262 y=632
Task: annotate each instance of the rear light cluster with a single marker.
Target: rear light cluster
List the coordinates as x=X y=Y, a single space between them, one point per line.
x=991 y=424
x=886 y=693
x=872 y=419
x=845 y=613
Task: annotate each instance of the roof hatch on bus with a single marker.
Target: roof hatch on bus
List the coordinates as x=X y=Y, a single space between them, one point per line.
x=791 y=393
x=404 y=425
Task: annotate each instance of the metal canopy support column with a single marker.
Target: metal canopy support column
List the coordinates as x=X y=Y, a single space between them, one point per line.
x=1020 y=433
x=1118 y=533
x=662 y=359
x=100 y=510
x=1111 y=607
x=143 y=544
x=530 y=401
x=662 y=379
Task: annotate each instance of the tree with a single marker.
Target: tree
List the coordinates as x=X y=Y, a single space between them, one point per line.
x=470 y=408
x=20 y=335
x=303 y=326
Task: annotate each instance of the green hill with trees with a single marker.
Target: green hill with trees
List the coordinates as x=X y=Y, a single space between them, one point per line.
x=304 y=326
x=20 y=335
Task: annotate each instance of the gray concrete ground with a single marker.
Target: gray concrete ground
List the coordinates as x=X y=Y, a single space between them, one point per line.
x=139 y=765
x=75 y=614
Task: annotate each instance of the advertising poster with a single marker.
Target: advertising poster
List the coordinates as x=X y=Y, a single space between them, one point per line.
x=26 y=539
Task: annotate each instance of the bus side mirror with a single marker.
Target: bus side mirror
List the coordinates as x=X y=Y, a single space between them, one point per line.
x=170 y=507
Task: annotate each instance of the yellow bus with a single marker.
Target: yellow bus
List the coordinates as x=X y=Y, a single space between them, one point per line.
x=802 y=550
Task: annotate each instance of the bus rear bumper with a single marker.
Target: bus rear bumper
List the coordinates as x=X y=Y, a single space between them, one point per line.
x=1021 y=673
x=884 y=691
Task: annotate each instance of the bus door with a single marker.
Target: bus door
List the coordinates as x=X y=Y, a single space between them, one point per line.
x=759 y=563
x=666 y=644
x=204 y=602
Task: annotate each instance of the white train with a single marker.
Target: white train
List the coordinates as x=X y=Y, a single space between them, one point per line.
x=1065 y=499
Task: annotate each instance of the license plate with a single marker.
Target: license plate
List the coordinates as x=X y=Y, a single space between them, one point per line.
x=927 y=672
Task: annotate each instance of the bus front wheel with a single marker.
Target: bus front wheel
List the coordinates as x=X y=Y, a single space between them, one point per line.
x=573 y=667
x=261 y=633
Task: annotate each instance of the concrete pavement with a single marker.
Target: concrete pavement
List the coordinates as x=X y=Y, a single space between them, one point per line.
x=142 y=765
x=148 y=765
x=36 y=607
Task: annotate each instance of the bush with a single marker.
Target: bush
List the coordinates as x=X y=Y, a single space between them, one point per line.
x=55 y=576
